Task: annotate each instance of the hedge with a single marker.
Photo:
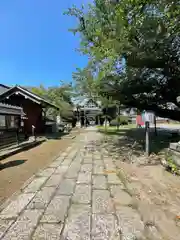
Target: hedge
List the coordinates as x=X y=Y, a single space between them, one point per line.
x=120 y=120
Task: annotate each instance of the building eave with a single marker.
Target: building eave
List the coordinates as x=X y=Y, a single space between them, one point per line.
x=27 y=94
x=6 y=109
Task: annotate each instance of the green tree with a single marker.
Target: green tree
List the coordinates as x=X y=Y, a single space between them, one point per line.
x=84 y=82
x=146 y=35
x=40 y=91
x=59 y=96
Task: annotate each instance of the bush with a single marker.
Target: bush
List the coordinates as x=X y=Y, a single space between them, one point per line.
x=120 y=120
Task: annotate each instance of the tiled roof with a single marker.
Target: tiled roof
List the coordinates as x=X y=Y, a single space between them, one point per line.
x=83 y=101
x=9 y=106
x=11 y=110
x=20 y=90
x=3 y=88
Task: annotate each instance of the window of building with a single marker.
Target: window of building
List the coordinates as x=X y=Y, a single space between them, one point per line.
x=10 y=121
x=2 y=121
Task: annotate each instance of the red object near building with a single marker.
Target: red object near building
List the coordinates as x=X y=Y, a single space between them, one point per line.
x=139 y=120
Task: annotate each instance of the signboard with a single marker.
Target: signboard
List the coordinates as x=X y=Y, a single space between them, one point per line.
x=58 y=119
x=148 y=117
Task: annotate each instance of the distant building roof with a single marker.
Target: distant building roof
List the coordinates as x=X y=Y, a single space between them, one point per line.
x=84 y=101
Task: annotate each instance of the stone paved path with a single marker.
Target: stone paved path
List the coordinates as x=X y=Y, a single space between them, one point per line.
x=77 y=197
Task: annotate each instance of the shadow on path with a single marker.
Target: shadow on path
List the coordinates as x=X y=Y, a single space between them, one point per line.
x=11 y=164
x=127 y=138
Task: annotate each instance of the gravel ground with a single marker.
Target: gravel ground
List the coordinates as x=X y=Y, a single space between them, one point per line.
x=17 y=169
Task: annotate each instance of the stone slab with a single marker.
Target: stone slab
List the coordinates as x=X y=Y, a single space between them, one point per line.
x=67 y=162
x=56 y=210
x=61 y=170
x=46 y=172
x=60 y=158
x=113 y=179
x=78 y=223
x=55 y=164
x=88 y=160
x=66 y=187
x=73 y=170
x=99 y=163
x=48 y=232
x=130 y=223
x=175 y=146
x=86 y=167
x=35 y=185
x=84 y=178
x=23 y=228
x=78 y=159
x=42 y=198
x=104 y=227
x=54 y=180
x=120 y=197
x=99 y=182
x=102 y=202
x=98 y=170
x=97 y=157
x=82 y=194
x=109 y=166
x=4 y=225
x=75 y=164
x=16 y=206
x=72 y=154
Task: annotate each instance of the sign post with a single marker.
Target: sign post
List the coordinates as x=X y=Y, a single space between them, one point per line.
x=147 y=138
x=149 y=117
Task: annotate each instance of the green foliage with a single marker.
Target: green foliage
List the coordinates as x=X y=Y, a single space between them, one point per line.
x=106 y=117
x=171 y=166
x=120 y=120
x=84 y=82
x=144 y=33
x=40 y=91
x=59 y=96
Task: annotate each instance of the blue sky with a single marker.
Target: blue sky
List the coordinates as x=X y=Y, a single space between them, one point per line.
x=35 y=45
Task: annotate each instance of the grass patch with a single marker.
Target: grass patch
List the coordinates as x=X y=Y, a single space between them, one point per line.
x=115 y=129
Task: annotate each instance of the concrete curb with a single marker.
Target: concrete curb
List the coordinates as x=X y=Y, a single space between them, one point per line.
x=21 y=148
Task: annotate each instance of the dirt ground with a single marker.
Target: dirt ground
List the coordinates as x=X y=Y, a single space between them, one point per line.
x=17 y=169
x=155 y=192
x=156 y=197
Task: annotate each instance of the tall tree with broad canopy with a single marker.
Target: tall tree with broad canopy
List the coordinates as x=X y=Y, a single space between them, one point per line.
x=145 y=35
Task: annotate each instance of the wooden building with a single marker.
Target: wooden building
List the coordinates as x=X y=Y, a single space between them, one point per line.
x=33 y=106
x=10 y=121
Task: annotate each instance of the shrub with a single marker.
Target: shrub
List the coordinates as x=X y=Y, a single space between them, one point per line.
x=120 y=120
